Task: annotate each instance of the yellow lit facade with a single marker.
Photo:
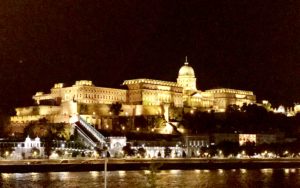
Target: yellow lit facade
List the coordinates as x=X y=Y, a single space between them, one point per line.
x=140 y=97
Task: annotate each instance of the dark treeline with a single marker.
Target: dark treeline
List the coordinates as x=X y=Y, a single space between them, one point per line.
x=247 y=119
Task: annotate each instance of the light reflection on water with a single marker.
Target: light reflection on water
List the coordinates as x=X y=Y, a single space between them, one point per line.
x=166 y=178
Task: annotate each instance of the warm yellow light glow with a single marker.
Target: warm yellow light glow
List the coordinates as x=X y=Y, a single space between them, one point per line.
x=94 y=174
x=293 y=170
x=122 y=173
x=174 y=171
x=239 y=96
x=243 y=138
x=5 y=175
x=286 y=170
x=168 y=128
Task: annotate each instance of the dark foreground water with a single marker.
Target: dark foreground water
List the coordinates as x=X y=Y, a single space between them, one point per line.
x=165 y=178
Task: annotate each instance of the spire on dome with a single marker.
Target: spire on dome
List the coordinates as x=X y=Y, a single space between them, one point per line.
x=186 y=69
x=186 y=61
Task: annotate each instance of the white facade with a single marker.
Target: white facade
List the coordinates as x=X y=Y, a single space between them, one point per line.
x=26 y=148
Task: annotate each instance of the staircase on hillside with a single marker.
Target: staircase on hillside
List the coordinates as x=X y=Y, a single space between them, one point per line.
x=87 y=132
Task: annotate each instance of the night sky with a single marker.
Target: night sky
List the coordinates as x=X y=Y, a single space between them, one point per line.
x=243 y=44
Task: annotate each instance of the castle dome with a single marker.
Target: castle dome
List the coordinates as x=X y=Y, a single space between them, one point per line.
x=186 y=70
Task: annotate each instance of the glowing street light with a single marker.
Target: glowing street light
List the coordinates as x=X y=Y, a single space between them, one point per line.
x=6 y=153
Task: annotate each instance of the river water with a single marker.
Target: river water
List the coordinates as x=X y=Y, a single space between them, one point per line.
x=164 y=178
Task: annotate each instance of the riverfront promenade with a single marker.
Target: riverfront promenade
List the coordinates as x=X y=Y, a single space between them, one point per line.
x=143 y=164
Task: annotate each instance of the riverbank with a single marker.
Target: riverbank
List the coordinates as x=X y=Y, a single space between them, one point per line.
x=143 y=164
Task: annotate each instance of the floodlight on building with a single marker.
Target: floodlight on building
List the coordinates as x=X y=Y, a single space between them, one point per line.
x=74 y=119
x=168 y=129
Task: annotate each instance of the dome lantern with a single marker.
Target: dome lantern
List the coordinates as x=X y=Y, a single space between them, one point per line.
x=186 y=70
x=186 y=77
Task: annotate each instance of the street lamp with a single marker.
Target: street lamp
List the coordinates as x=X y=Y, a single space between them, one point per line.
x=6 y=153
x=220 y=153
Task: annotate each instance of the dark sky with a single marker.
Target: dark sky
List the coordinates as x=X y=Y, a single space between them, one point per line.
x=242 y=44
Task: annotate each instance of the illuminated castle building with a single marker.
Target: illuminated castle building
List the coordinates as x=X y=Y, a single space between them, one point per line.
x=143 y=96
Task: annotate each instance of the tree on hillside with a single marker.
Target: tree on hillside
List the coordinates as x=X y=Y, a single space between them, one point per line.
x=228 y=148
x=168 y=152
x=48 y=146
x=6 y=150
x=249 y=148
x=159 y=122
x=142 y=152
x=63 y=132
x=83 y=109
x=232 y=108
x=4 y=122
x=128 y=151
x=115 y=109
x=28 y=130
x=198 y=121
x=141 y=121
